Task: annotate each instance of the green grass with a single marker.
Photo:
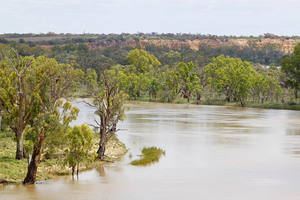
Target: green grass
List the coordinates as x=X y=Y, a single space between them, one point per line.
x=10 y=168
x=150 y=155
x=270 y=105
x=266 y=105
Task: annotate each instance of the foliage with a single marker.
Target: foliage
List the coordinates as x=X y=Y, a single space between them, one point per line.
x=230 y=76
x=189 y=81
x=79 y=141
x=291 y=66
x=142 y=60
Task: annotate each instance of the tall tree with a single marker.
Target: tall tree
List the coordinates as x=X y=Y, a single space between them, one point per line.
x=183 y=80
x=231 y=76
x=190 y=82
x=109 y=102
x=52 y=116
x=22 y=80
x=54 y=119
x=16 y=96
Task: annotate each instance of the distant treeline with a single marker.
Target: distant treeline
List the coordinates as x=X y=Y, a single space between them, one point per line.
x=101 y=58
x=87 y=37
x=114 y=47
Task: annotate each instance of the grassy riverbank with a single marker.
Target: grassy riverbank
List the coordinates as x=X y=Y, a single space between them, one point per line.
x=81 y=93
x=267 y=105
x=15 y=170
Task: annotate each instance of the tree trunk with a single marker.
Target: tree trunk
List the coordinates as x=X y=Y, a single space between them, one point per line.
x=0 y=122
x=103 y=141
x=101 y=150
x=242 y=103
x=35 y=161
x=77 y=168
x=228 y=98
x=20 y=142
x=73 y=170
x=199 y=97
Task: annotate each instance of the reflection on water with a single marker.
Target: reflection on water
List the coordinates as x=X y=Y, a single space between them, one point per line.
x=101 y=171
x=212 y=152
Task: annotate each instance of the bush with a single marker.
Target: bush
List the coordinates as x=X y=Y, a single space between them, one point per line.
x=150 y=155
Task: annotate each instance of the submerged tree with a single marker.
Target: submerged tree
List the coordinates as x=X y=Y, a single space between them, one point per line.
x=109 y=102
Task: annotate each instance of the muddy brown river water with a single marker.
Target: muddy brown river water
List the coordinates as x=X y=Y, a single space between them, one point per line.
x=212 y=153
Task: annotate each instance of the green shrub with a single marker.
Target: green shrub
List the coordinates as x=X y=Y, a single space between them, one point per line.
x=150 y=155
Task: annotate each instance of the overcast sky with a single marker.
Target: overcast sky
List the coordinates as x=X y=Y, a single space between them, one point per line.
x=216 y=17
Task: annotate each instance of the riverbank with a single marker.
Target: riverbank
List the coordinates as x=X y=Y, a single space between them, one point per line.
x=81 y=93
x=15 y=170
x=267 y=105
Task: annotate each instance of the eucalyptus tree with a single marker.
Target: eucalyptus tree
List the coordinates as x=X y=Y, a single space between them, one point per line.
x=231 y=76
x=109 y=105
x=190 y=82
x=17 y=96
x=53 y=120
x=184 y=81
x=142 y=60
x=144 y=66
x=50 y=115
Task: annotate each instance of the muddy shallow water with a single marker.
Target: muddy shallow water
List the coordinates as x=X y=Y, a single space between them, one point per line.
x=212 y=152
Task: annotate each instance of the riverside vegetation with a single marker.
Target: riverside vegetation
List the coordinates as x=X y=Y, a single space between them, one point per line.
x=32 y=89
x=51 y=165
x=160 y=74
x=32 y=106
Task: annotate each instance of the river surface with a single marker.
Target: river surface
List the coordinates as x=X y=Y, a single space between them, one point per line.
x=212 y=153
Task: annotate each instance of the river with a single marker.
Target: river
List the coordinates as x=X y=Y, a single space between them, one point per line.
x=212 y=153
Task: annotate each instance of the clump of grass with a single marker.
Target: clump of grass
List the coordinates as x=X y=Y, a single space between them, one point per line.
x=150 y=155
